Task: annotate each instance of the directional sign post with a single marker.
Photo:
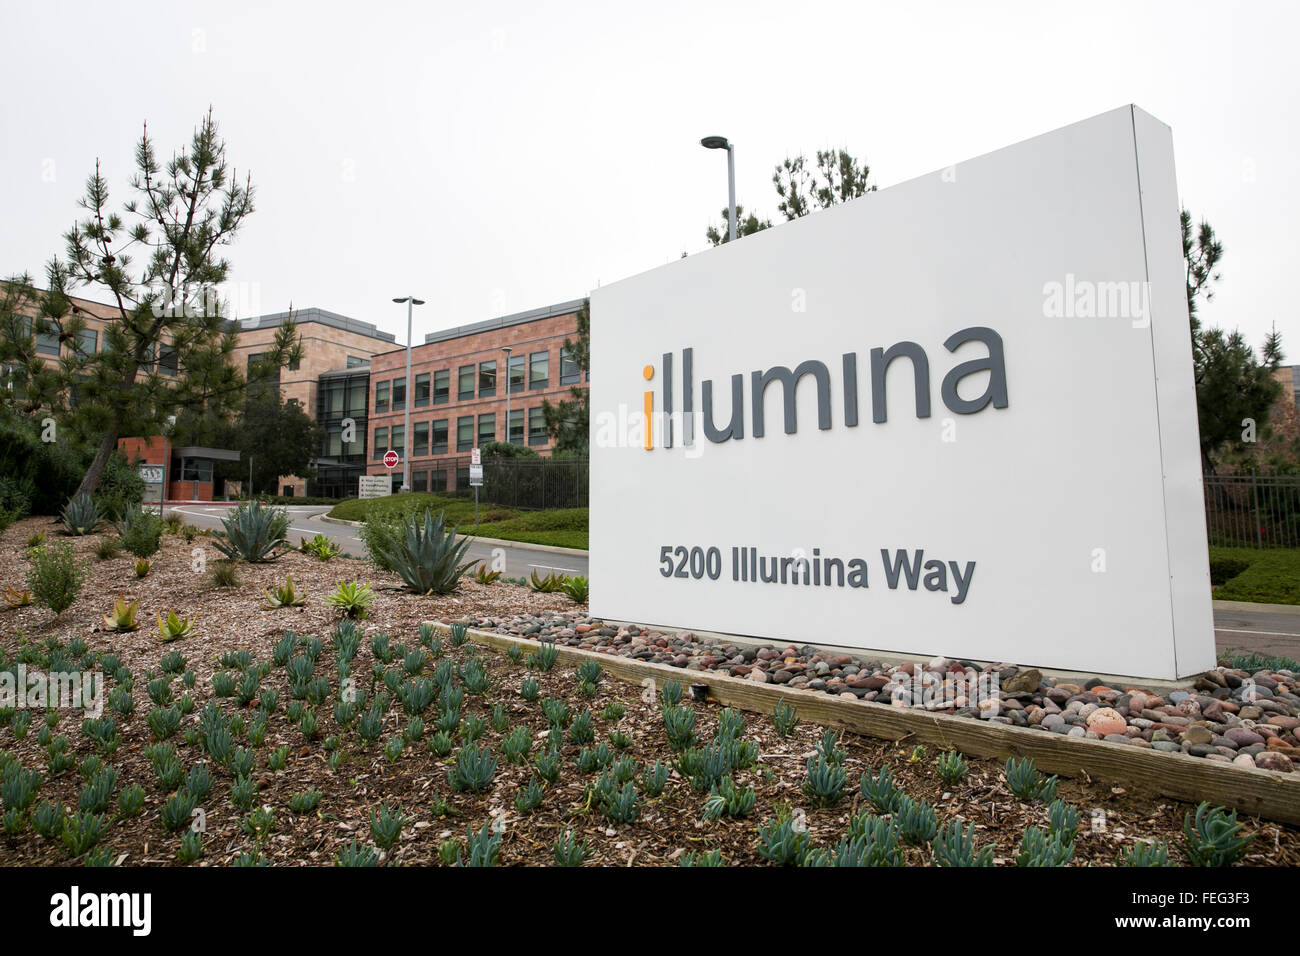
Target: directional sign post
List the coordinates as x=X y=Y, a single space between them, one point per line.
x=475 y=479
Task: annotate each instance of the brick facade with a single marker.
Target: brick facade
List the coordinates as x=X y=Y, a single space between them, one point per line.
x=536 y=340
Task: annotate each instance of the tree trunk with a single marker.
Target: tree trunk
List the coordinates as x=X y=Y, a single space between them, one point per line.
x=107 y=445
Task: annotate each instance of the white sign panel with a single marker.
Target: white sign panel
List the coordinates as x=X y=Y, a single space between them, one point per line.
x=374 y=486
x=991 y=366
x=476 y=476
x=150 y=474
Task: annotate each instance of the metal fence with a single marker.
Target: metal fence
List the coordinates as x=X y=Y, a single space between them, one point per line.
x=1250 y=511
x=527 y=482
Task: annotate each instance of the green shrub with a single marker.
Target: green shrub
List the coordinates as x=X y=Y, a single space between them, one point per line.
x=141 y=533
x=55 y=577
x=1222 y=570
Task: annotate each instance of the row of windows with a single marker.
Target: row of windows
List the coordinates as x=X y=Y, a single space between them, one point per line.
x=87 y=343
x=475 y=381
x=432 y=438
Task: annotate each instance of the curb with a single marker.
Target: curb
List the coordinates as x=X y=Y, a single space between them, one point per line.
x=1258 y=608
x=521 y=545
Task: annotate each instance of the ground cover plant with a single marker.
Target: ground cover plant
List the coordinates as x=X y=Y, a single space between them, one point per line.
x=561 y=527
x=306 y=737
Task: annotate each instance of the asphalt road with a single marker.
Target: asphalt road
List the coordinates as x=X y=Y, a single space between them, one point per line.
x=1267 y=629
x=305 y=522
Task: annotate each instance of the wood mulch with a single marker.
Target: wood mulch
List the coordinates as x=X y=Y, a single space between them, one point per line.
x=1112 y=818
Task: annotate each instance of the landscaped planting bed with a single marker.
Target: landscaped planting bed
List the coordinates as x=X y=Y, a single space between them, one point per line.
x=428 y=747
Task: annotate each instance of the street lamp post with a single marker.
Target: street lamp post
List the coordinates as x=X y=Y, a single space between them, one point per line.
x=506 y=349
x=411 y=301
x=721 y=142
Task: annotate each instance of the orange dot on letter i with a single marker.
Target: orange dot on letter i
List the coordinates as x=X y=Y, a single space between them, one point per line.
x=648 y=373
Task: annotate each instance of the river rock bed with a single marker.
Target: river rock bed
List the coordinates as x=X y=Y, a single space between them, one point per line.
x=1227 y=715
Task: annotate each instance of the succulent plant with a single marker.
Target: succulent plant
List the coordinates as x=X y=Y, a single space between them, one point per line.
x=1039 y=848
x=474 y=769
x=517 y=744
x=305 y=801
x=1024 y=780
x=142 y=566
x=654 y=778
x=1062 y=821
x=163 y=721
x=81 y=515
x=352 y=598
x=15 y=598
x=619 y=804
x=568 y=850
x=485 y=575
x=952 y=768
x=785 y=718
x=242 y=793
x=386 y=825
x=1155 y=853
x=545 y=657
x=177 y=809
x=321 y=547
x=548 y=763
x=694 y=858
x=252 y=532
x=546 y=585
x=879 y=789
x=122 y=617
x=679 y=724
x=577 y=589
x=825 y=780
x=130 y=801
x=670 y=695
x=97 y=794
x=356 y=854
x=530 y=797
x=614 y=710
x=82 y=830
x=954 y=846
x=47 y=819
x=918 y=824
x=440 y=744
x=284 y=595
x=726 y=799
x=191 y=848
x=1211 y=837
x=784 y=843
x=284 y=649
x=173 y=627
x=427 y=557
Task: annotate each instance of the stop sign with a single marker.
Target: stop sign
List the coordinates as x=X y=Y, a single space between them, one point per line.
x=391 y=458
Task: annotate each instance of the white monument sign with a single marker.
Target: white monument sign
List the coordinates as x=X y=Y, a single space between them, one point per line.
x=991 y=366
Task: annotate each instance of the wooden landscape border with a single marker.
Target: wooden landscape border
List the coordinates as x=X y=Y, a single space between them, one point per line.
x=1256 y=792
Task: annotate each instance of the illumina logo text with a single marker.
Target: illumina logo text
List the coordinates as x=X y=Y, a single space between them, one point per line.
x=994 y=392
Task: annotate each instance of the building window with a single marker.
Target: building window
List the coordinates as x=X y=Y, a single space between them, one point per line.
x=465 y=383
x=487 y=429
x=438 y=480
x=422 y=390
x=381 y=397
x=487 y=379
x=167 y=360
x=254 y=359
x=398 y=441
x=355 y=361
x=47 y=340
x=441 y=386
x=439 y=436
x=517 y=364
x=419 y=481
x=538 y=369
x=334 y=399
x=333 y=442
x=536 y=426
x=420 y=440
x=88 y=341
x=196 y=469
x=399 y=394
x=570 y=374
x=516 y=436
x=465 y=433
x=357 y=398
x=381 y=442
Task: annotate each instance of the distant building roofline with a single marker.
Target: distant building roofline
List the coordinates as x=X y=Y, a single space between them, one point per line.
x=306 y=316
x=518 y=318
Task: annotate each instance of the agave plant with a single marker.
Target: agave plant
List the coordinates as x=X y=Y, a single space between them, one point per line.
x=15 y=598
x=173 y=627
x=352 y=598
x=427 y=556
x=547 y=585
x=81 y=515
x=252 y=532
x=122 y=617
x=284 y=595
x=577 y=589
x=142 y=567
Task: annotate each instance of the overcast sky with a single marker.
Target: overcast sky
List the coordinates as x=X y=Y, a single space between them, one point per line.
x=496 y=157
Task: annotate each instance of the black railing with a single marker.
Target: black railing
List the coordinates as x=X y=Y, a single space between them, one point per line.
x=1250 y=511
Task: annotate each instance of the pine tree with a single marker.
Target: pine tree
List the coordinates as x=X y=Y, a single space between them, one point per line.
x=167 y=349
x=568 y=422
